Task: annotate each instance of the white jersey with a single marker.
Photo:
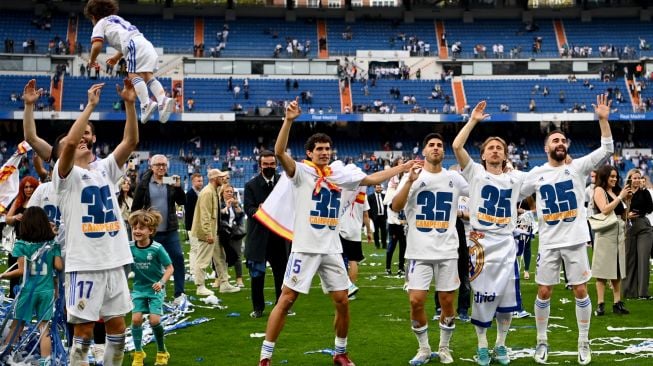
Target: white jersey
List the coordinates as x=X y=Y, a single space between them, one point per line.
x=463 y=206
x=353 y=205
x=493 y=199
x=115 y=31
x=95 y=234
x=315 y=229
x=431 y=211
x=560 y=198
x=46 y=197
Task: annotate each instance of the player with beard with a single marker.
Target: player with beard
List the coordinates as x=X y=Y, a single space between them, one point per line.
x=430 y=198
x=560 y=187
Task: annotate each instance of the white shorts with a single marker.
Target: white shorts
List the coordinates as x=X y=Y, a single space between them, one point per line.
x=576 y=263
x=421 y=272
x=506 y=300
x=301 y=269
x=141 y=55
x=91 y=295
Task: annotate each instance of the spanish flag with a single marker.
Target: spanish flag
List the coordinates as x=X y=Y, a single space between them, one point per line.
x=9 y=179
x=277 y=213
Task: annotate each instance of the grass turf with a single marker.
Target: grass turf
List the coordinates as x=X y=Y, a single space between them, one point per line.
x=380 y=331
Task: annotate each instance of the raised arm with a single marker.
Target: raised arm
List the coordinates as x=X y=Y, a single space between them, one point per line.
x=292 y=112
x=383 y=175
x=602 y=110
x=399 y=202
x=71 y=141
x=478 y=114
x=130 y=135
x=30 y=96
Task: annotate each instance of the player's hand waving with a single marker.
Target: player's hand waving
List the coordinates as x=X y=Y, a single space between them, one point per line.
x=30 y=94
x=602 y=106
x=478 y=114
x=293 y=110
x=94 y=94
x=127 y=93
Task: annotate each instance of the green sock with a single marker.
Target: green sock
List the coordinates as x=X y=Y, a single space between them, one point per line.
x=158 y=336
x=137 y=334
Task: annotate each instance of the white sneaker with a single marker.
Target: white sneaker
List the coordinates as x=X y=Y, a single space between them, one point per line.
x=584 y=353
x=445 y=355
x=147 y=110
x=353 y=289
x=203 y=291
x=165 y=110
x=521 y=314
x=422 y=357
x=227 y=287
x=541 y=353
x=179 y=299
x=98 y=353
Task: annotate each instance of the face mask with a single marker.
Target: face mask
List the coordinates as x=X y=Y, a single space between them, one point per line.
x=269 y=172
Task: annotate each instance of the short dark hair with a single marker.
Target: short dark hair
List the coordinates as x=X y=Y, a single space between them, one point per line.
x=546 y=139
x=315 y=138
x=265 y=154
x=54 y=155
x=196 y=175
x=432 y=135
x=35 y=226
x=100 y=8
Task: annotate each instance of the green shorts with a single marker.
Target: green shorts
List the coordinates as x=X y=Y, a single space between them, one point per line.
x=30 y=305
x=148 y=303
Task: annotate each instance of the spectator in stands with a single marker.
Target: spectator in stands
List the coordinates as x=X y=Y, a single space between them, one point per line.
x=9 y=45
x=561 y=96
x=643 y=44
x=545 y=91
x=295 y=84
x=348 y=34
x=531 y=105
x=190 y=104
x=456 y=48
x=230 y=84
x=236 y=91
x=237 y=107
x=504 y=107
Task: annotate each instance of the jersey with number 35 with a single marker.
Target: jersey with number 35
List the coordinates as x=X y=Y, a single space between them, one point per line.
x=431 y=212
x=317 y=215
x=560 y=193
x=493 y=199
x=95 y=234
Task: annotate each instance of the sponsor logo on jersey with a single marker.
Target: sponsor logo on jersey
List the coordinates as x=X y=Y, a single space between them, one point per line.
x=450 y=184
x=422 y=185
x=85 y=177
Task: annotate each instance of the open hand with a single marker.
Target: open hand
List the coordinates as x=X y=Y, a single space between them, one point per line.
x=478 y=114
x=407 y=166
x=414 y=172
x=94 y=94
x=30 y=94
x=127 y=93
x=602 y=107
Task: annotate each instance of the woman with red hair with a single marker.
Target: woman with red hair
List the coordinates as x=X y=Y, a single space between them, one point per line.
x=25 y=190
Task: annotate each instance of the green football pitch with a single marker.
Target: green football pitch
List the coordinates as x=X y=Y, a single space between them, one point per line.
x=380 y=331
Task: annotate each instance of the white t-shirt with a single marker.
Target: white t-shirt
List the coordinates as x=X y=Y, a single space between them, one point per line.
x=46 y=197
x=95 y=234
x=431 y=211
x=493 y=199
x=560 y=198
x=352 y=205
x=315 y=229
x=115 y=31
x=463 y=205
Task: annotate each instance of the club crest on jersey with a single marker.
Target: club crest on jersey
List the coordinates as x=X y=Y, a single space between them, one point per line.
x=450 y=184
x=104 y=173
x=81 y=305
x=476 y=258
x=541 y=179
x=149 y=256
x=567 y=172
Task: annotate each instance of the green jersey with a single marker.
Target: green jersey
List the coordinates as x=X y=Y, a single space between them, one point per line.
x=39 y=273
x=149 y=265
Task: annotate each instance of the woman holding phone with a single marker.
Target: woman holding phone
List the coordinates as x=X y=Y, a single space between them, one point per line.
x=639 y=238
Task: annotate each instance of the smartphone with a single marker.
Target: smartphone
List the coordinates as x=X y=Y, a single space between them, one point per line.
x=168 y=180
x=628 y=182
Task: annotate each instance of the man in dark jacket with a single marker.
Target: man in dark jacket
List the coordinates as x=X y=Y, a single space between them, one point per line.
x=261 y=244
x=161 y=194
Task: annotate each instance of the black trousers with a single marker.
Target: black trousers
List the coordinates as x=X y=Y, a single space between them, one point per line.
x=277 y=255
x=397 y=238
x=380 y=227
